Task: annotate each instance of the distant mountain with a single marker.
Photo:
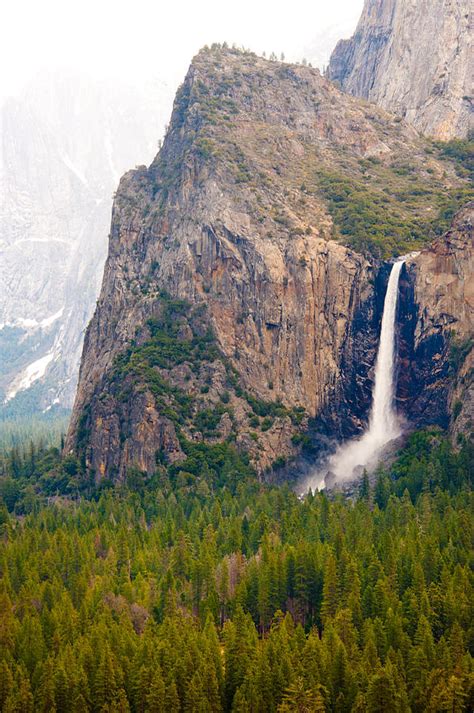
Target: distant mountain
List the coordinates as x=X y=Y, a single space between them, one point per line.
x=414 y=58
x=319 y=50
x=64 y=144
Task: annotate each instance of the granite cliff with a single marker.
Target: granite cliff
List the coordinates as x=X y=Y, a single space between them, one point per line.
x=242 y=290
x=435 y=383
x=414 y=58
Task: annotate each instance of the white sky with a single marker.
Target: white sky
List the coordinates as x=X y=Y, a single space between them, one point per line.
x=145 y=38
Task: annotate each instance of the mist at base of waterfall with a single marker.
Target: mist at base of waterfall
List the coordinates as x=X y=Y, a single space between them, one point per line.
x=350 y=459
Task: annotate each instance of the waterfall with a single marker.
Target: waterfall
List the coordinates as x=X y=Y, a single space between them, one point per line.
x=384 y=424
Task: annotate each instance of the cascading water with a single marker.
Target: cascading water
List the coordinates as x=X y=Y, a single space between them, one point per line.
x=384 y=424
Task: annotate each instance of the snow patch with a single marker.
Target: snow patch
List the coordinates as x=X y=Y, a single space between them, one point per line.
x=33 y=323
x=49 y=320
x=26 y=323
x=53 y=403
x=32 y=373
x=77 y=172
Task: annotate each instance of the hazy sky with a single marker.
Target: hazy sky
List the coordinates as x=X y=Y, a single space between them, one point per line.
x=143 y=38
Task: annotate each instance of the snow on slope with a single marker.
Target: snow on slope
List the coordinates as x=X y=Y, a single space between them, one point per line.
x=63 y=145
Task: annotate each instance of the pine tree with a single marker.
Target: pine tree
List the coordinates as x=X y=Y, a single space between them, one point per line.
x=299 y=699
x=105 y=684
x=141 y=688
x=79 y=704
x=364 y=488
x=195 y=698
x=240 y=652
x=213 y=652
x=424 y=640
x=62 y=689
x=6 y=683
x=330 y=590
x=23 y=697
x=382 y=490
x=312 y=660
x=120 y=703
x=382 y=694
x=240 y=703
x=155 y=698
x=210 y=689
x=172 y=702
x=447 y=694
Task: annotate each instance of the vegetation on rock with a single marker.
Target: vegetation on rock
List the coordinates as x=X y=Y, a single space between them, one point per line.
x=382 y=204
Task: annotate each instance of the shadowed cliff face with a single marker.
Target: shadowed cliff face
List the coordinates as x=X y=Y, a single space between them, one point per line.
x=412 y=57
x=346 y=415
x=230 y=308
x=436 y=330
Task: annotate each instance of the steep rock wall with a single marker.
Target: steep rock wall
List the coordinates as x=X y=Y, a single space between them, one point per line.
x=229 y=231
x=412 y=57
x=437 y=329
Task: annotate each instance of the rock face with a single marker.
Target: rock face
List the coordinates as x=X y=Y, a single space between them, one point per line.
x=64 y=143
x=414 y=58
x=230 y=308
x=437 y=323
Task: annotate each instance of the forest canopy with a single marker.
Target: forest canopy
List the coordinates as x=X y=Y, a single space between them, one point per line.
x=206 y=590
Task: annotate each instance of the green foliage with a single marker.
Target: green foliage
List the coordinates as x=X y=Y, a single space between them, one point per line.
x=274 y=409
x=202 y=589
x=207 y=421
x=18 y=431
x=459 y=349
x=206 y=148
x=457 y=408
x=218 y=464
x=382 y=219
x=177 y=336
x=429 y=463
x=166 y=347
x=462 y=152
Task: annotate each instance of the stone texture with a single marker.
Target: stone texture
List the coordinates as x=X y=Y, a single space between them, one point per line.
x=226 y=218
x=437 y=314
x=414 y=58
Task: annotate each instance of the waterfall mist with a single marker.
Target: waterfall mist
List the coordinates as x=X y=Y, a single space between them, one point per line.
x=384 y=424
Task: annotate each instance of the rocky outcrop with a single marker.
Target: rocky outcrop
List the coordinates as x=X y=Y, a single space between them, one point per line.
x=414 y=58
x=230 y=309
x=462 y=398
x=435 y=382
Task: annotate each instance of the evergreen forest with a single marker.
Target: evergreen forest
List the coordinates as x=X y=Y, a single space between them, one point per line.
x=203 y=589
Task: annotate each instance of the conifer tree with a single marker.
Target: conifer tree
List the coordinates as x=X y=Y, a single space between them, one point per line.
x=382 y=694
x=6 y=683
x=21 y=700
x=240 y=652
x=172 y=702
x=330 y=590
x=299 y=699
x=105 y=682
x=155 y=698
x=364 y=487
